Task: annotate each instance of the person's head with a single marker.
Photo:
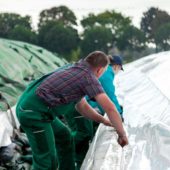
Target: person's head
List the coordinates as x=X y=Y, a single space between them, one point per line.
x=98 y=62
x=116 y=63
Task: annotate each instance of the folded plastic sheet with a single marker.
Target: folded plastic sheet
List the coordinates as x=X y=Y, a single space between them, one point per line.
x=104 y=152
x=6 y=129
x=144 y=91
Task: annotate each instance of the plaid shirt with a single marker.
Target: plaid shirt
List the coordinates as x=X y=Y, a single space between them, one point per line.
x=69 y=85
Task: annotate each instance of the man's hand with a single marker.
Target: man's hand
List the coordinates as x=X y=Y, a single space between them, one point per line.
x=122 y=140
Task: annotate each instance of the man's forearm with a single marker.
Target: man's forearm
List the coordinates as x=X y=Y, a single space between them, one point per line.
x=87 y=111
x=116 y=122
x=112 y=113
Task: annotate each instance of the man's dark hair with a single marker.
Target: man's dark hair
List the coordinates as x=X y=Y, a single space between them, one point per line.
x=97 y=58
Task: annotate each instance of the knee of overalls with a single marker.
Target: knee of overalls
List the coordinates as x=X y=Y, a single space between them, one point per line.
x=61 y=132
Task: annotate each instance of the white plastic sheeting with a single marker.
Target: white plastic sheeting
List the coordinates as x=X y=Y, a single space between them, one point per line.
x=144 y=91
x=6 y=127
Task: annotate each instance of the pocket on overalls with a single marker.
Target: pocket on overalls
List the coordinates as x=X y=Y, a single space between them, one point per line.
x=25 y=115
x=41 y=140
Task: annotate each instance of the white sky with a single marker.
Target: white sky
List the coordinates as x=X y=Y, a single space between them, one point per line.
x=131 y=8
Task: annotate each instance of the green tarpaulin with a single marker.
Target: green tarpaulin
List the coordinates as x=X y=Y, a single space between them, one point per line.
x=19 y=64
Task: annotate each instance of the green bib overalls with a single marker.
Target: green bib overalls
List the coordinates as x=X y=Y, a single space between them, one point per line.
x=51 y=141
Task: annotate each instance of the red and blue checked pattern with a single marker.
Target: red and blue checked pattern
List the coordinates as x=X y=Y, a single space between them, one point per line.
x=69 y=85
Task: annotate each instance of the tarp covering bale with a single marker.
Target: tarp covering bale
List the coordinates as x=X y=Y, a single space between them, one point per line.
x=20 y=63
x=144 y=90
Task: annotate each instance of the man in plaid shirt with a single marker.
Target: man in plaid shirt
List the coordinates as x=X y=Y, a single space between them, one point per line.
x=55 y=94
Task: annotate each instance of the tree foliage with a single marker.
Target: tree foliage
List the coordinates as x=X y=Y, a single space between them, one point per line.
x=162 y=37
x=9 y=21
x=22 y=33
x=57 y=38
x=60 y=14
x=109 y=19
x=108 y=25
x=132 y=39
x=107 y=31
x=152 y=20
x=96 y=38
x=57 y=30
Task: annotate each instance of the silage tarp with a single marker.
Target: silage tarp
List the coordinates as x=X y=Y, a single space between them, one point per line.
x=144 y=91
x=20 y=63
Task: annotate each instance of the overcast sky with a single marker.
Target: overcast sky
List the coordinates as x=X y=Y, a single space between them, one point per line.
x=131 y=8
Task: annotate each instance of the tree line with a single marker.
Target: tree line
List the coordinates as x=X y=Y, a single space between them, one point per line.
x=108 y=31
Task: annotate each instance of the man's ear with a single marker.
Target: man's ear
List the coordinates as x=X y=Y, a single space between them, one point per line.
x=99 y=69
